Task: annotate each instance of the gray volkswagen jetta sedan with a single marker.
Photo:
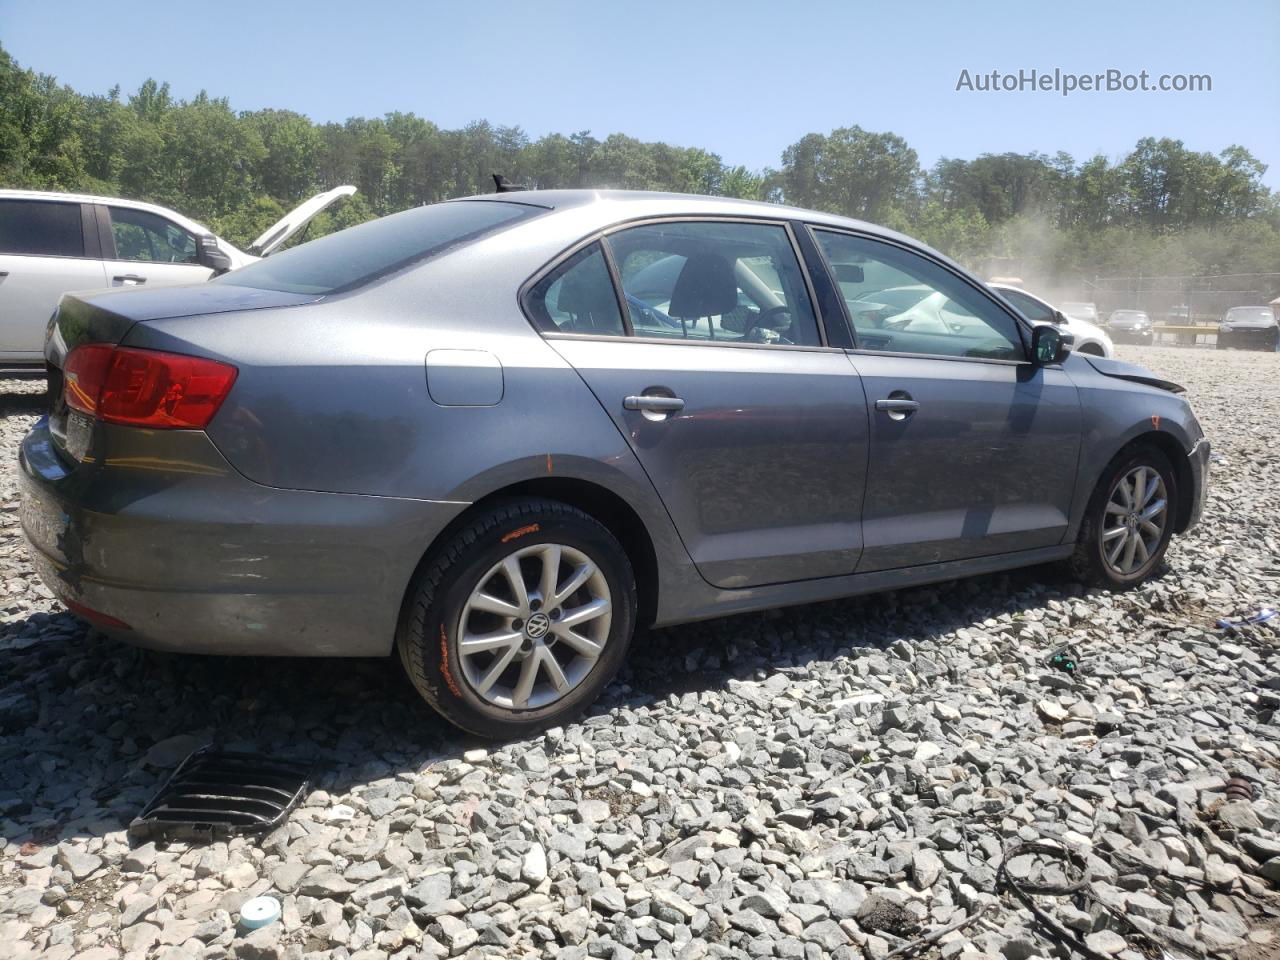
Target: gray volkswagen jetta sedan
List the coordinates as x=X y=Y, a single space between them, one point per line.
x=499 y=434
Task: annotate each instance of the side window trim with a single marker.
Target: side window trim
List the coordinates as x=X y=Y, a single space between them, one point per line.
x=1020 y=325
x=106 y=237
x=827 y=297
x=89 y=229
x=793 y=230
x=611 y=264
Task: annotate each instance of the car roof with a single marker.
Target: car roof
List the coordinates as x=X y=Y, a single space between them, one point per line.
x=617 y=206
x=192 y=225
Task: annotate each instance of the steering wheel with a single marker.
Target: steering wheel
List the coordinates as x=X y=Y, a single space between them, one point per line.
x=762 y=317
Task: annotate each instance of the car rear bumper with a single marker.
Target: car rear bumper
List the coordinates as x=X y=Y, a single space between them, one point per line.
x=177 y=551
x=1263 y=338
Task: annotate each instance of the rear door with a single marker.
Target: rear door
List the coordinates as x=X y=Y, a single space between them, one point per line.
x=144 y=248
x=751 y=428
x=45 y=251
x=973 y=450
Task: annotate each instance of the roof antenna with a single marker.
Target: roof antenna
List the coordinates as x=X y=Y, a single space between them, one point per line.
x=503 y=185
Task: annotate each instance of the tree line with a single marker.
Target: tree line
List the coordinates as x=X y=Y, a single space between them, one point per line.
x=1161 y=208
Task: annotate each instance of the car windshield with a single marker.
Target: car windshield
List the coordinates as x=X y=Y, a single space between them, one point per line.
x=1131 y=315
x=357 y=255
x=1250 y=313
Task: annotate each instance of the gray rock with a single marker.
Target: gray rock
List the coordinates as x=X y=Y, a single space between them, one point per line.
x=79 y=864
x=325 y=883
x=1106 y=942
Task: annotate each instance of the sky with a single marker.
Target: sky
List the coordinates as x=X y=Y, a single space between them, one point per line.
x=742 y=78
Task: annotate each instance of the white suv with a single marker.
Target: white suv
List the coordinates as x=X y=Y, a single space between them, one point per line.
x=1088 y=337
x=56 y=243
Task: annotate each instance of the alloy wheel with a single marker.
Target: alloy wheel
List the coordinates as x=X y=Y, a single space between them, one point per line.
x=1134 y=521
x=534 y=625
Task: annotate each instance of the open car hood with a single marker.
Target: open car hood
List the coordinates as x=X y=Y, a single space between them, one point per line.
x=1130 y=371
x=295 y=220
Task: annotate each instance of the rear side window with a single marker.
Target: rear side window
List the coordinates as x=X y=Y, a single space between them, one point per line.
x=41 y=228
x=577 y=297
x=360 y=254
x=719 y=281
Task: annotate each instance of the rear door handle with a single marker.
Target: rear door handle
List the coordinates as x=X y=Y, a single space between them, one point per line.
x=129 y=280
x=654 y=404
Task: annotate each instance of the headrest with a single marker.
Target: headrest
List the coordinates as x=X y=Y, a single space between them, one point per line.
x=706 y=287
x=587 y=293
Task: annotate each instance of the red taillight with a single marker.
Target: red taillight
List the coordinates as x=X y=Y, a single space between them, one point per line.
x=145 y=388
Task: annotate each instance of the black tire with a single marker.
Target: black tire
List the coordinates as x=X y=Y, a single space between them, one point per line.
x=429 y=627
x=1089 y=563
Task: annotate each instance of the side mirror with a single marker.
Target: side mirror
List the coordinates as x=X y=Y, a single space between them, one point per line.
x=849 y=273
x=209 y=254
x=1060 y=318
x=1049 y=345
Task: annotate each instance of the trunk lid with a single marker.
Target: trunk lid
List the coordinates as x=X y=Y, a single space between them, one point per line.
x=295 y=220
x=106 y=316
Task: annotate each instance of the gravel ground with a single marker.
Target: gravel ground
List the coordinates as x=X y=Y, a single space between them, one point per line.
x=835 y=780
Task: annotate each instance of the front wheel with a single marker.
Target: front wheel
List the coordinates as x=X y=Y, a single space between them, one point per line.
x=520 y=620
x=1129 y=520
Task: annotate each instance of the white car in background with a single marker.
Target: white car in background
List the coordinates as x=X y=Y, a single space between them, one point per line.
x=56 y=243
x=1089 y=337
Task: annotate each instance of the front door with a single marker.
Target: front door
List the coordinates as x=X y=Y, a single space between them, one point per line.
x=150 y=250
x=973 y=450
x=753 y=433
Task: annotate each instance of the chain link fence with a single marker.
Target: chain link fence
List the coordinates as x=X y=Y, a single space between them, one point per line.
x=1183 y=300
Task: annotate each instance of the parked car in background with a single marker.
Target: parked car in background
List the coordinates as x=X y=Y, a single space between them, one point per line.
x=1130 y=326
x=1249 y=327
x=1086 y=337
x=495 y=435
x=1088 y=312
x=55 y=243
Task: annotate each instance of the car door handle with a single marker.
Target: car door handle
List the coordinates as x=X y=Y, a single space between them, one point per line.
x=654 y=404
x=898 y=408
x=129 y=279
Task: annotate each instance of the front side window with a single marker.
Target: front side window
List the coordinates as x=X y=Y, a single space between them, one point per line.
x=577 y=297
x=147 y=237
x=714 y=281
x=1028 y=306
x=41 y=228
x=901 y=302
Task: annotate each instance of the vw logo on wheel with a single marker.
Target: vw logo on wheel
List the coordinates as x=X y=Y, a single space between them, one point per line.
x=537 y=626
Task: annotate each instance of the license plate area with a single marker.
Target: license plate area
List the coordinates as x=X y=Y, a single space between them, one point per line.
x=78 y=434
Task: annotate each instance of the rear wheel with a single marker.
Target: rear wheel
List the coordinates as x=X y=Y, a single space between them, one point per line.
x=520 y=620
x=1129 y=520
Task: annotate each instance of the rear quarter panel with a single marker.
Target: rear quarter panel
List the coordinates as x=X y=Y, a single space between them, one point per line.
x=334 y=397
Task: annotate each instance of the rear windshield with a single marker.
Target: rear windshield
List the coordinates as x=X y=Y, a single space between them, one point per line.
x=359 y=254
